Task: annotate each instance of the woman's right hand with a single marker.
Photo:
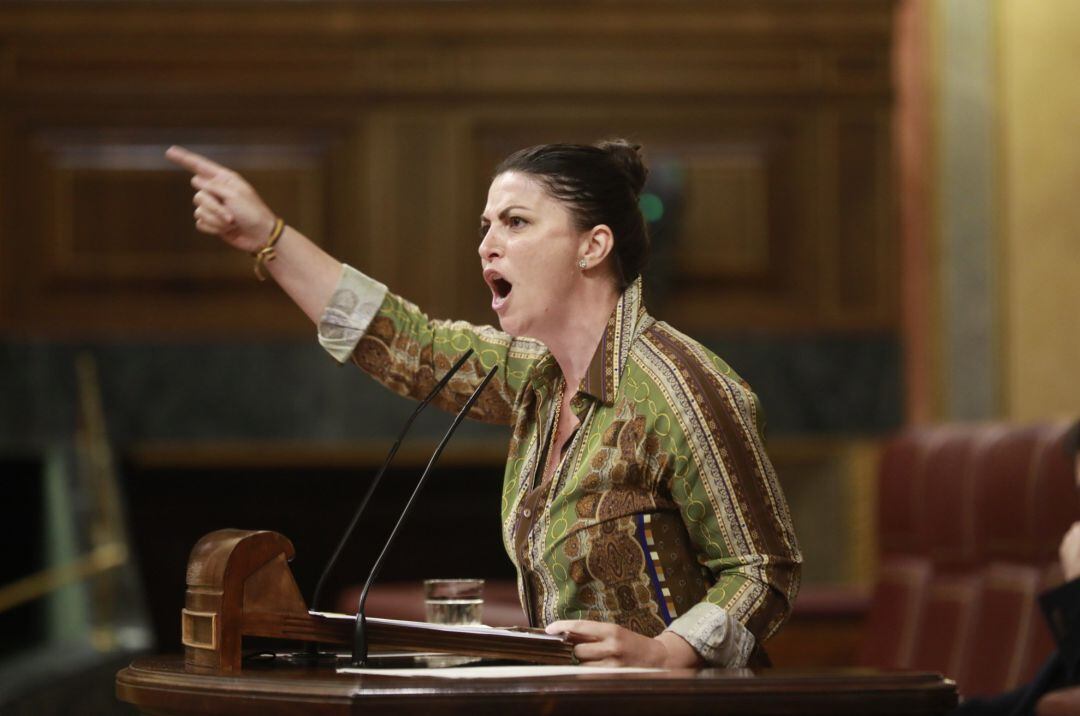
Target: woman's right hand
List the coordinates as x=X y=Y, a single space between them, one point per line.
x=225 y=204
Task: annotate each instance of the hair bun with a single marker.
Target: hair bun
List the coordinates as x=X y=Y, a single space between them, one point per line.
x=627 y=156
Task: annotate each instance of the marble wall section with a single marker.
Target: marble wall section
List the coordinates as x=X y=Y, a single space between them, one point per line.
x=967 y=181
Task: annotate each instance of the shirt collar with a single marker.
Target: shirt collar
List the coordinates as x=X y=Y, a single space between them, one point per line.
x=609 y=360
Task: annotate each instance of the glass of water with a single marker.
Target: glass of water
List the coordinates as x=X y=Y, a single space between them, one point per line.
x=454 y=601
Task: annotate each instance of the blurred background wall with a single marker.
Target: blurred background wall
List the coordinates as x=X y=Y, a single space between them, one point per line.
x=865 y=206
x=1040 y=219
x=1003 y=237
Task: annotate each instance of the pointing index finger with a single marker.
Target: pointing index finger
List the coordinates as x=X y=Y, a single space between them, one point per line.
x=195 y=163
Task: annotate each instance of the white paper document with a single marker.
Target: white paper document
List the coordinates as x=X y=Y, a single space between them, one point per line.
x=500 y=672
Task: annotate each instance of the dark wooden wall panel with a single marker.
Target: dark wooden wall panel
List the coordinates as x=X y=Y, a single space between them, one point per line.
x=106 y=238
x=374 y=127
x=866 y=258
x=121 y=214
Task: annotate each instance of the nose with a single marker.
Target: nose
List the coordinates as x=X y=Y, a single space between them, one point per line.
x=490 y=246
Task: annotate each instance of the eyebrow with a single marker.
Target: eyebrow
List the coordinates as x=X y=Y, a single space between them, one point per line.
x=504 y=212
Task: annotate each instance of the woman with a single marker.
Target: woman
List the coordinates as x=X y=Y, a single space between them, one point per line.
x=639 y=507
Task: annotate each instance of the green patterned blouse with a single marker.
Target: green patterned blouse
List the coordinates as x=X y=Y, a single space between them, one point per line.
x=664 y=511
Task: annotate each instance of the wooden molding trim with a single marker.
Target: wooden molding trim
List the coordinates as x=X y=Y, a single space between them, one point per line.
x=421 y=48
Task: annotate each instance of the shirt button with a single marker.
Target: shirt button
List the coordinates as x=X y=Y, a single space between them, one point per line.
x=527 y=513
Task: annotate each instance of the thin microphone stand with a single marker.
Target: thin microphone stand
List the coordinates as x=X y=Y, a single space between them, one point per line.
x=360 y=643
x=315 y=600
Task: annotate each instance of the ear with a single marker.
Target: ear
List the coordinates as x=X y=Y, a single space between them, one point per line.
x=596 y=244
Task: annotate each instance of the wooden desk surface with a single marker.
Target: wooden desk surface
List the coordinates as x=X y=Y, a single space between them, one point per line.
x=159 y=685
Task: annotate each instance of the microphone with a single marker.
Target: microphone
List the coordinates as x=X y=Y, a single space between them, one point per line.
x=360 y=645
x=315 y=599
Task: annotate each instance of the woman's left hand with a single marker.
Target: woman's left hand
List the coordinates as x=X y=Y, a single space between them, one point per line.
x=602 y=644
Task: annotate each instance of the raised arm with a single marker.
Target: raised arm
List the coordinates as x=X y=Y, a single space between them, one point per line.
x=357 y=319
x=228 y=207
x=398 y=345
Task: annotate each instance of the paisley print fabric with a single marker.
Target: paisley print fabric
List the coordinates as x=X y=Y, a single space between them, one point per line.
x=664 y=511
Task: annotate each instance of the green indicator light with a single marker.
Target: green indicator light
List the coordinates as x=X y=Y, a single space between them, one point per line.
x=652 y=208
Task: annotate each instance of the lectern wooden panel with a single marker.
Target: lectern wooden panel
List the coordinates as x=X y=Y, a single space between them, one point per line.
x=163 y=686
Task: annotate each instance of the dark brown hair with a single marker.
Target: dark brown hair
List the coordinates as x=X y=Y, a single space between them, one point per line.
x=600 y=184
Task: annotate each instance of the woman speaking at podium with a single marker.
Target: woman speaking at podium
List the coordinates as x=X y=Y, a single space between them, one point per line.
x=638 y=506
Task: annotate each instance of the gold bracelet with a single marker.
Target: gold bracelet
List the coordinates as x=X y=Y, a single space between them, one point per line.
x=267 y=253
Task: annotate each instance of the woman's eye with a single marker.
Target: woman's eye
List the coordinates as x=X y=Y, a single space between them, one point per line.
x=484 y=229
x=516 y=222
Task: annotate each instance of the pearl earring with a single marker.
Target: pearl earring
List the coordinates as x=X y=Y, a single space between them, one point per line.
x=581 y=264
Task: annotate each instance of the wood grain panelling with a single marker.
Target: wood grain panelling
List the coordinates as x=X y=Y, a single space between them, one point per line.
x=122 y=213
x=745 y=247
x=373 y=127
x=112 y=247
x=865 y=286
x=725 y=215
x=421 y=240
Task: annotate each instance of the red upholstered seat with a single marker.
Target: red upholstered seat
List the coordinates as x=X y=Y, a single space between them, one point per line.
x=1006 y=495
x=896 y=607
x=948 y=497
x=954 y=586
x=904 y=570
x=970 y=520
x=1000 y=612
x=1026 y=506
x=944 y=634
x=1004 y=625
x=900 y=493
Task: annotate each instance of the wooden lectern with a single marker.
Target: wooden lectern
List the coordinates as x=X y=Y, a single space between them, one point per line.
x=239 y=584
x=162 y=686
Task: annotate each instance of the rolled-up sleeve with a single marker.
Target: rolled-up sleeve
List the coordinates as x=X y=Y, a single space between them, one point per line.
x=397 y=344
x=715 y=635
x=351 y=309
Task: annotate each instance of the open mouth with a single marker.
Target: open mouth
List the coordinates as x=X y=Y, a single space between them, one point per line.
x=500 y=288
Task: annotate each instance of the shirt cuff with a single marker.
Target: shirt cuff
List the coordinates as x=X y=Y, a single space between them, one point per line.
x=350 y=311
x=715 y=635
